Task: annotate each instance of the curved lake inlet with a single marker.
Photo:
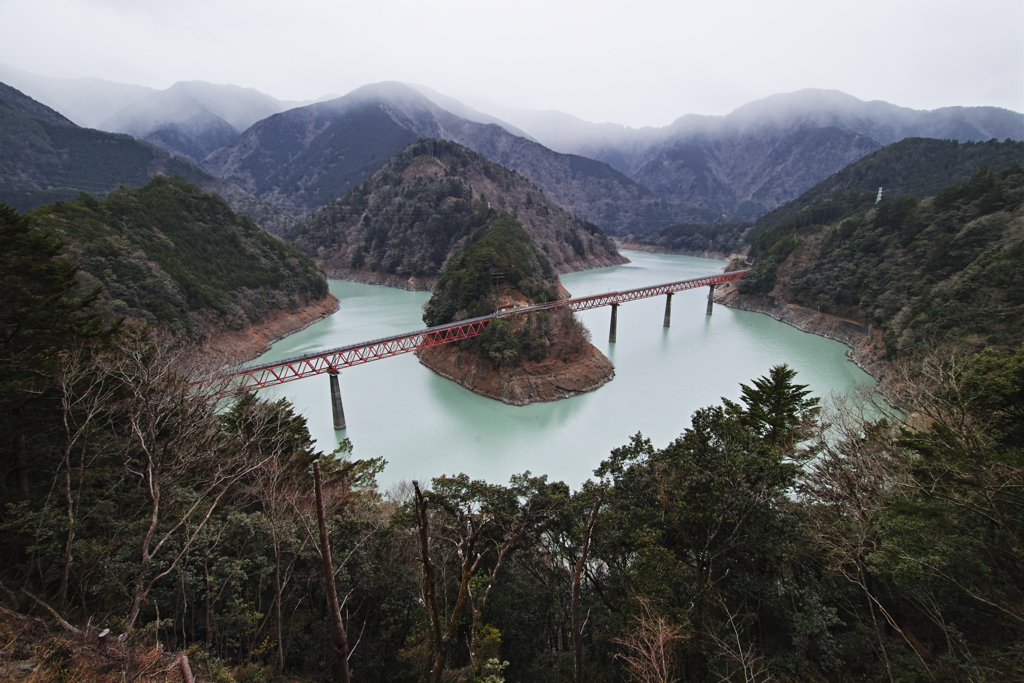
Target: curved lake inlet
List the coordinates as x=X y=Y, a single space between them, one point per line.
x=425 y=426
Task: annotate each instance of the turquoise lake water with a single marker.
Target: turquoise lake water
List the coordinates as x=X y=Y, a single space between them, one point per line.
x=425 y=426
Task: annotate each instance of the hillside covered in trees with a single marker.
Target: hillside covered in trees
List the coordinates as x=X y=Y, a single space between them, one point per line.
x=403 y=223
x=917 y=167
x=173 y=255
x=923 y=272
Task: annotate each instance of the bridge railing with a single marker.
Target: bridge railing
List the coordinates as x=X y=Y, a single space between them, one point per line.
x=332 y=360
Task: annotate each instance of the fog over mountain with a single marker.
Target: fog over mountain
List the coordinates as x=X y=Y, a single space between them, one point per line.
x=626 y=180
x=764 y=153
x=45 y=157
x=194 y=118
x=86 y=101
x=303 y=158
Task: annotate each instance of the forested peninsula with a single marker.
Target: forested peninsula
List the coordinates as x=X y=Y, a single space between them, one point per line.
x=519 y=359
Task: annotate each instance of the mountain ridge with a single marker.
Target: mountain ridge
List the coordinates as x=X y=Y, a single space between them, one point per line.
x=302 y=158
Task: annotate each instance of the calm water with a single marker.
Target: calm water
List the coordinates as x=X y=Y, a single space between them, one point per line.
x=425 y=426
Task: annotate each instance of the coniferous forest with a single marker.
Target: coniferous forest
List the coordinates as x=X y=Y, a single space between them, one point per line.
x=777 y=538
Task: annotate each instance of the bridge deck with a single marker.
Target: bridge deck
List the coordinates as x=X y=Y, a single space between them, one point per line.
x=290 y=369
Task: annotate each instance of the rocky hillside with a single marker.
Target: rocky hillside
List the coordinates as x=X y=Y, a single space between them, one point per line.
x=402 y=224
x=303 y=158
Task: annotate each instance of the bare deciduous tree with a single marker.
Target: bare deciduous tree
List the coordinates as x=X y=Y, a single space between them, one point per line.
x=651 y=646
x=172 y=445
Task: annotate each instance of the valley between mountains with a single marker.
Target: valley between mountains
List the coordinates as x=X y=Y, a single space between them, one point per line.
x=649 y=530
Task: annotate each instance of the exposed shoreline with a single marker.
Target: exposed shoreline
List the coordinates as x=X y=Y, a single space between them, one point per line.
x=255 y=340
x=549 y=380
x=652 y=249
x=865 y=344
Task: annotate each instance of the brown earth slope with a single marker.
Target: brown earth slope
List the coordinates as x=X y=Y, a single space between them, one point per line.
x=572 y=366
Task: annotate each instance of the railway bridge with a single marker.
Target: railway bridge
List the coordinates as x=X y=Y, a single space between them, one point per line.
x=332 y=361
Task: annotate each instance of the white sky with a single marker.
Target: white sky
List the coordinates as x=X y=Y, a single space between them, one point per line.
x=645 y=62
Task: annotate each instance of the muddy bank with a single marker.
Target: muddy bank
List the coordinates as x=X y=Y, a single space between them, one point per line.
x=866 y=346
x=369 y=277
x=652 y=249
x=248 y=343
x=426 y=284
x=549 y=380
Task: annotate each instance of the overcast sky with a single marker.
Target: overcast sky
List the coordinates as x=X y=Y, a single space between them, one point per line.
x=644 y=62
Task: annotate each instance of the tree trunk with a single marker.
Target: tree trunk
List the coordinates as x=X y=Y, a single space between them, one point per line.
x=429 y=578
x=62 y=594
x=577 y=575
x=277 y=608
x=340 y=637
x=20 y=462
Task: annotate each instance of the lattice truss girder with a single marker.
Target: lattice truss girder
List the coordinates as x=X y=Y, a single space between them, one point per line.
x=291 y=369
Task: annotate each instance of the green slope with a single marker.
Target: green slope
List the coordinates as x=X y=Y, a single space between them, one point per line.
x=919 y=167
x=174 y=255
x=948 y=269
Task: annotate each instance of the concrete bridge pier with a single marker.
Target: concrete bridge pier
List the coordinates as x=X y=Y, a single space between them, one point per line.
x=711 y=299
x=668 y=309
x=336 y=407
x=615 y=315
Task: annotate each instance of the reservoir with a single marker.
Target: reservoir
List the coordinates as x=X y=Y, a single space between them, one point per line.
x=425 y=426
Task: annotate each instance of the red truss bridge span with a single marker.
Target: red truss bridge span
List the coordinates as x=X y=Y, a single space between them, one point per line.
x=333 y=360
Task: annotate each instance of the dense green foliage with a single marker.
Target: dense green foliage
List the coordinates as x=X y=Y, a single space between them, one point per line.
x=697 y=238
x=768 y=538
x=172 y=254
x=924 y=272
x=499 y=246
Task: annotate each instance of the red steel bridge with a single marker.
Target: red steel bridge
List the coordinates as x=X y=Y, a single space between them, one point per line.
x=331 y=361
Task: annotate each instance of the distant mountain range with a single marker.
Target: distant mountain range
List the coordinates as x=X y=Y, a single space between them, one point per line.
x=699 y=169
x=44 y=157
x=189 y=119
x=918 y=167
x=193 y=119
x=303 y=158
x=764 y=153
x=86 y=101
